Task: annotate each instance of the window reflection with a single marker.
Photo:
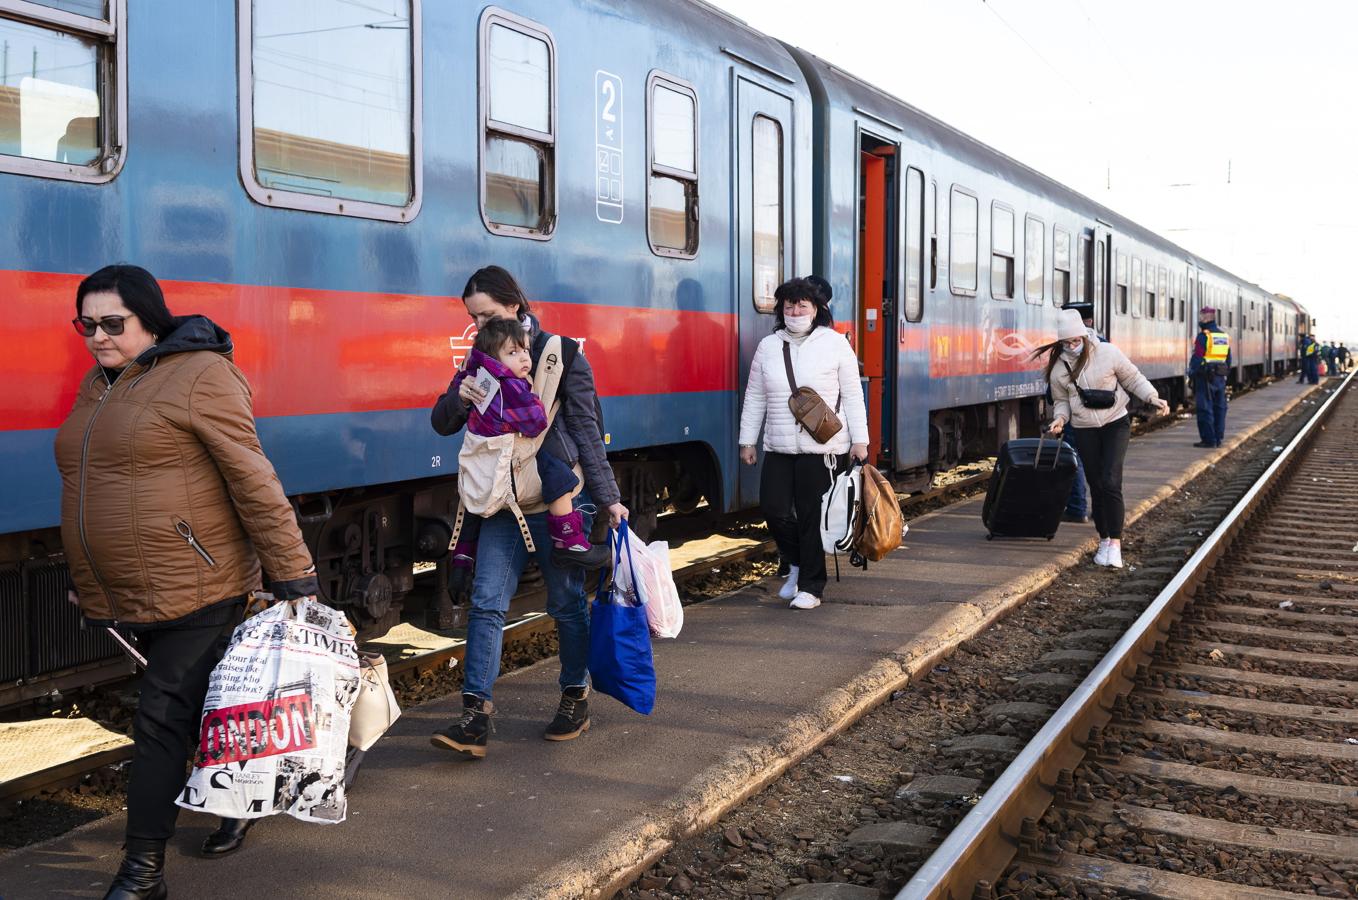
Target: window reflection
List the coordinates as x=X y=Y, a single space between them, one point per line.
x=767 y=161
x=914 y=245
x=520 y=79
x=671 y=227
x=962 y=220
x=49 y=106
x=673 y=129
x=1034 y=251
x=332 y=107
x=514 y=177
x=95 y=9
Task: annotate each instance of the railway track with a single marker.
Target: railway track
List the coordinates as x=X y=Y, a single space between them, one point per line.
x=1213 y=752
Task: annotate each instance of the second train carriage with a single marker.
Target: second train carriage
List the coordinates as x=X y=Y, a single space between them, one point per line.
x=323 y=184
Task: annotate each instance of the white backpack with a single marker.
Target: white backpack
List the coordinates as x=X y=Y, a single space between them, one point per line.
x=501 y=472
x=839 y=508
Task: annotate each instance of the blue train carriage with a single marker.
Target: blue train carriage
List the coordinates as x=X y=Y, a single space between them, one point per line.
x=949 y=261
x=326 y=212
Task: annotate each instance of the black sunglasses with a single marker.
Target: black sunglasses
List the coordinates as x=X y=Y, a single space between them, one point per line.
x=112 y=325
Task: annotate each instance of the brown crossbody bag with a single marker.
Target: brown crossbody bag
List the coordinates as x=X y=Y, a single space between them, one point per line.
x=808 y=408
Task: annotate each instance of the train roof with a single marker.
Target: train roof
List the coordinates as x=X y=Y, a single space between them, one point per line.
x=832 y=84
x=732 y=36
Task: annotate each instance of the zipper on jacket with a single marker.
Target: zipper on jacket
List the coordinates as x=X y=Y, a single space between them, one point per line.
x=84 y=459
x=186 y=532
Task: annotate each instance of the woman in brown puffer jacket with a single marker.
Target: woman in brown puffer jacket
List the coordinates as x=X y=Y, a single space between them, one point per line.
x=168 y=508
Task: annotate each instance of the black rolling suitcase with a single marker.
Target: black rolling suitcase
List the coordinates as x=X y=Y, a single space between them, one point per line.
x=1029 y=488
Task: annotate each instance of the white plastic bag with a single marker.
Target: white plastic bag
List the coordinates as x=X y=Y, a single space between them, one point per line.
x=642 y=575
x=275 y=722
x=839 y=510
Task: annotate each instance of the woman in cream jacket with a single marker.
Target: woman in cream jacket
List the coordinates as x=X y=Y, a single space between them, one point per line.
x=797 y=469
x=1076 y=363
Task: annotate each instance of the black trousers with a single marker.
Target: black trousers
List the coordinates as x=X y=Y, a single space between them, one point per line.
x=1103 y=450
x=790 y=490
x=169 y=710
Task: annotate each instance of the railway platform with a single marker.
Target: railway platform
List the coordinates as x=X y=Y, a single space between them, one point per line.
x=748 y=689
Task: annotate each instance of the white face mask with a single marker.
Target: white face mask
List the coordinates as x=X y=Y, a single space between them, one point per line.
x=797 y=324
x=1067 y=350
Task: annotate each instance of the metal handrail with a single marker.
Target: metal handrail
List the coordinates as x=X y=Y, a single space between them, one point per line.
x=985 y=841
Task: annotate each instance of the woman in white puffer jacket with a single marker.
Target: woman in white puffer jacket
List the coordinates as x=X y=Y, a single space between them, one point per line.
x=1079 y=369
x=797 y=469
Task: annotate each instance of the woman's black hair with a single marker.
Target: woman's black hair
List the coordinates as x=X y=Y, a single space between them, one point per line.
x=497 y=284
x=813 y=288
x=139 y=291
x=492 y=336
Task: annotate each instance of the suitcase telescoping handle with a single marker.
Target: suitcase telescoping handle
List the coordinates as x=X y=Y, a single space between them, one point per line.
x=1056 y=457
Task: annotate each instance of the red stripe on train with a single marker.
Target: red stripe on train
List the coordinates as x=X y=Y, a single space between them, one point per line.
x=309 y=352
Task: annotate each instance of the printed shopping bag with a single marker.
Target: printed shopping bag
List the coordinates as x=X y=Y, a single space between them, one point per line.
x=275 y=724
x=620 y=663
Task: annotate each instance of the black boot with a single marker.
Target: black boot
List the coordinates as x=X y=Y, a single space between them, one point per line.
x=468 y=734
x=228 y=837
x=142 y=874
x=572 y=715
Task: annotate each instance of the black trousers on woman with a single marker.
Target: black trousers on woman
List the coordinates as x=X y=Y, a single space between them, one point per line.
x=179 y=657
x=790 y=489
x=1103 y=450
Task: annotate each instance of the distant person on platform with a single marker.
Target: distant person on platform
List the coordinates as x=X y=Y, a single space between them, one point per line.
x=1211 y=361
x=1310 y=360
x=1343 y=357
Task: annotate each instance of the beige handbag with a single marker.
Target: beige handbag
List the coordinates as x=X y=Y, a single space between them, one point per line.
x=375 y=709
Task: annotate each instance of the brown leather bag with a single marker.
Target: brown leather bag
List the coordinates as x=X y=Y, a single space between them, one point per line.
x=878 y=530
x=808 y=408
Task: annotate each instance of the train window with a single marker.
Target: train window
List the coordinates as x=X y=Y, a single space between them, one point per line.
x=329 y=94
x=1034 y=258
x=1138 y=289
x=672 y=193
x=1170 y=291
x=1121 y=280
x=1061 y=266
x=1001 y=252
x=931 y=210
x=63 y=89
x=962 y=241
x=518 y=126
x=767 y=147
x=914 y=246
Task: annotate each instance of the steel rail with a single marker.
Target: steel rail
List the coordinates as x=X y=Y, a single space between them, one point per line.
x=981 y=846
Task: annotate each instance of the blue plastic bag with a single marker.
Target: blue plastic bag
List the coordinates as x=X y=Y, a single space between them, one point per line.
x=620 y=663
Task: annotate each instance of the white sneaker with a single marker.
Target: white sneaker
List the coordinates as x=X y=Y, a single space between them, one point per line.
x=1101 y=554
x=1114 y=558
x=803 y=600
x=789 y=588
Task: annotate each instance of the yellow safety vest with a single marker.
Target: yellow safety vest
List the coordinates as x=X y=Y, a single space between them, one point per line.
x=1311 y=348
x=1218 y=347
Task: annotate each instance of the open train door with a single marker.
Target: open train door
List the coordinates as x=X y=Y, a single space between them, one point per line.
x=761 y=133
x=877 y=234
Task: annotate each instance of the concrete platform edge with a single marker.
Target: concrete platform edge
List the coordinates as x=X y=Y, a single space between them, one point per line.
x=620 y=858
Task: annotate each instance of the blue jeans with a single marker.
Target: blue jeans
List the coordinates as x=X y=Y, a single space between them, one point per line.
x=1209 y=397
x=1077 y=504
x=500 y=560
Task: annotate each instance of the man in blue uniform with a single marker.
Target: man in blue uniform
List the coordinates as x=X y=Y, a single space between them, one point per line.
x=1211 y=361
x=1310 y=359
x=1077 y=505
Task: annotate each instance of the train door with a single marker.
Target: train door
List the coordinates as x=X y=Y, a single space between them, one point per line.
x=762 y=212
x=877 y=228
x=910 y=411
x=1098 y=281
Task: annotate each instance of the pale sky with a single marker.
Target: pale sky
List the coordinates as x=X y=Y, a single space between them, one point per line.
x=1147 y=106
